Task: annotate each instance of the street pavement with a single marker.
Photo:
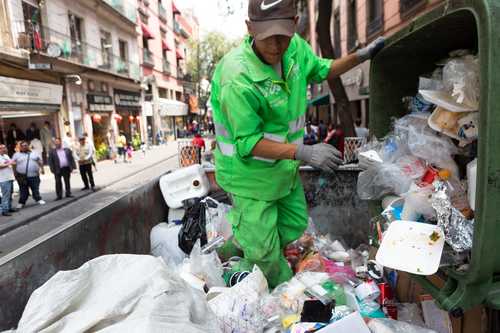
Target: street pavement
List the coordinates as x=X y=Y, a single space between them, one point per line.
x=108 y=173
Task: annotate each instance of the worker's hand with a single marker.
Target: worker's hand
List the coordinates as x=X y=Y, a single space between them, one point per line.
x=371 y=49
x=321 y=155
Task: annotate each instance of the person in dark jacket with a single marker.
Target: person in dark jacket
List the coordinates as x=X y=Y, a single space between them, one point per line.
x=14 y=135
x=61 y=163
x=32 y=133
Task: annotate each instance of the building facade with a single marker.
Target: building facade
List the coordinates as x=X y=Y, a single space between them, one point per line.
x=163 y=42
x=88 y=47
x=354 y=24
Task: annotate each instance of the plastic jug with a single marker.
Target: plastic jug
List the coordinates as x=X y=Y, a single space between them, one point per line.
x=471 y=179
x=186 y=183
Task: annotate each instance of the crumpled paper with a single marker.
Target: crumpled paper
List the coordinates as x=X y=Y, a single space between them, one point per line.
x=458 y=230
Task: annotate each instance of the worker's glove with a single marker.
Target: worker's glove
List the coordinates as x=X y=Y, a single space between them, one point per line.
x=371 y=49
x=321 y=155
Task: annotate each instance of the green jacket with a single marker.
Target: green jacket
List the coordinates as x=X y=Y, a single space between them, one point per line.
x=250 y=102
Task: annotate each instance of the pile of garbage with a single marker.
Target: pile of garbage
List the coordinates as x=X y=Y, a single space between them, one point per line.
x=424 y=172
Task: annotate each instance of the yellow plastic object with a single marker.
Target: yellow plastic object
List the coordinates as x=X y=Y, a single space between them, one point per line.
x=290 y=320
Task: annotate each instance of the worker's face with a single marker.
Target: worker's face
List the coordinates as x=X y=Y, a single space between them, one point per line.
x=24 y=147
x=272 y=48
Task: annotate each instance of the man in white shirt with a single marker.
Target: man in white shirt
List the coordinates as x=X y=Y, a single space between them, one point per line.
x=6 y=181
x=29 y=165
x=85 y=153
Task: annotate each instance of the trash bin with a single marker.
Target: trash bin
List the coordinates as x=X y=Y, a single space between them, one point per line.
x=413 y=51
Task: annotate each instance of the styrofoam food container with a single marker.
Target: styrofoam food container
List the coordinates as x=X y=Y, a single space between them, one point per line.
x=185 y=183
x=407 y=246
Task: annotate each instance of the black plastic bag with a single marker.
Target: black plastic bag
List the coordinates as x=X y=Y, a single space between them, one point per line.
x=193 y=225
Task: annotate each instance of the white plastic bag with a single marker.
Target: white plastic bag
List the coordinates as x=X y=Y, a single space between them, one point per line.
x=165 y=243
x=384 y=325
x=376 y=182
x=238 y=308
x=216 y=220
x=117 y=293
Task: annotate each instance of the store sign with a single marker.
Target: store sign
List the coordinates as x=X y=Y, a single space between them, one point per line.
x=169 y=107
x=127 y=99
x=99 y=102
x=31 y=92
x=39 y=66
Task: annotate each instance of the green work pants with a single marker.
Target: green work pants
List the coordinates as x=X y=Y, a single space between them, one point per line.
x=262 y=229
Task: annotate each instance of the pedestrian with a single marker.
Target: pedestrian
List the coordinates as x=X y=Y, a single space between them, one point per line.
x=32 y=132
x=68 y=141
x=336 y=138
x=143 y=148
x=85 y=153
x=47 y=135
x=90 y=142
x=36 y=146
x=361 y=131
x=129 y=151
x=259 y=101
x=29 y=165
x=310 y=136
x=199 y=144
x=14 y=135
x=61 y=164
x=6 y=181
x=121 y=144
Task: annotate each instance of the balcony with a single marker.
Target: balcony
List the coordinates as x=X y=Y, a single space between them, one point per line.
x=166 y=67
x=162 y=13
x=177 y=28
x=48 y=42
x=147 y=58
x=127 y=8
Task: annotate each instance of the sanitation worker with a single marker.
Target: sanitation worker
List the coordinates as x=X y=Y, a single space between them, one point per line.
x=259 y=98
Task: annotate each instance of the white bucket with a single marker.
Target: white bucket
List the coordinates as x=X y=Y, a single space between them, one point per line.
x=186 y=183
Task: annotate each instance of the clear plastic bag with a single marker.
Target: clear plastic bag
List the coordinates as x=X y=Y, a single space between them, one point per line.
x=207 y=267
x=410 y=313
x=216 y=220
x=461 y=79
x=388 y=178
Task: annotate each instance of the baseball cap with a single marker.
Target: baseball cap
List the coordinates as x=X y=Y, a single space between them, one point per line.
x=272 y=17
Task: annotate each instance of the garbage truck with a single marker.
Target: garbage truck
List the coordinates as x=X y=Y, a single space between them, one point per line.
x=124 y=225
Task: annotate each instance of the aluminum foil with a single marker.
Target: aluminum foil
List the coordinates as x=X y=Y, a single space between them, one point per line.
x=457 y=229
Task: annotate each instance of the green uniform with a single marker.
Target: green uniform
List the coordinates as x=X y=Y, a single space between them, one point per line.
x=250 y=102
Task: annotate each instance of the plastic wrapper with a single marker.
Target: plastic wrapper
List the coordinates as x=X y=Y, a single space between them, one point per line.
x=417 y=104
x=384 y=325
x=339 y=274
x=311 y=262
x=207 y=267
x=305 y=327
x=461 y=79
x=340 y=312
x=417 y=204
x=457 y=229
x=291 y=296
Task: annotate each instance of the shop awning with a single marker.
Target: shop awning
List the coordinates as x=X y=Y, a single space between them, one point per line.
x=179 y=54
x=319 y=100
x=171 y=107
x=146 y=32
x=164 y=45
x=174 y=9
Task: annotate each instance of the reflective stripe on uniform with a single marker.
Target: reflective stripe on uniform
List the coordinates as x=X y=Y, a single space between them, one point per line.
x=226 y=149
x=274 y=137
x=298 y=141
x=263 y=159
x=221 y=130
x=297 y=124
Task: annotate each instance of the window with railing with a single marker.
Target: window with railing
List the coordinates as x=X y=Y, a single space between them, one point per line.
x=352 y=25
x=106 y=50
x=375 y=16
x=122 y=65
x=76 y=34
x=147 y=57
x=162 y=12
x=408 y=6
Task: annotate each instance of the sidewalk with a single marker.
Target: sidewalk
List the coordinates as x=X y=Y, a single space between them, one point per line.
x=107 y=174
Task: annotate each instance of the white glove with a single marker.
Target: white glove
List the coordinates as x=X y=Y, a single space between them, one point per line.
x=321 y=155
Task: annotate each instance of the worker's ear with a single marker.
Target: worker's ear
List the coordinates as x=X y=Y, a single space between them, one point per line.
x=249 y=27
